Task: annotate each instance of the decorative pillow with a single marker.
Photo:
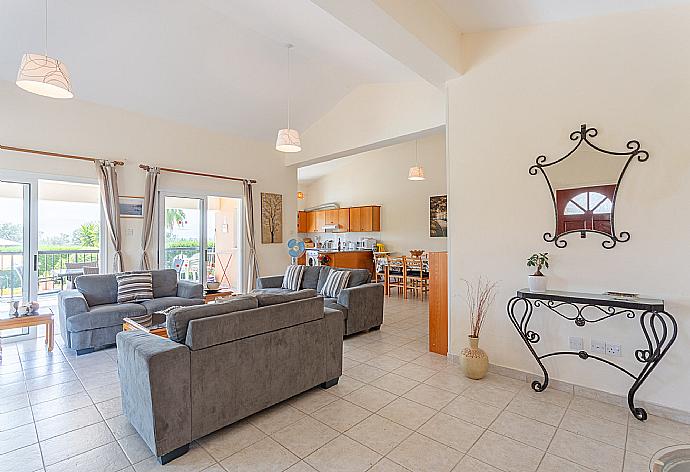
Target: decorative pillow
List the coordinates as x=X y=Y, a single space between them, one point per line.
x=292 y=280
x=134 y=287
x=335 y=282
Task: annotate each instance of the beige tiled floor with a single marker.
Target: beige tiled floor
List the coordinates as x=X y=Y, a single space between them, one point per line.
x=396 y=408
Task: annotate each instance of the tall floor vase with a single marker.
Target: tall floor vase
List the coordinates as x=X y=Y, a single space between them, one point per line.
x=474 y=360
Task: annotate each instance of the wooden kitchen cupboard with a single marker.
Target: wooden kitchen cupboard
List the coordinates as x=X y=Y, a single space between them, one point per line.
x=331 y=217
x=320 y=219
x=344 y=220
x=302 y=226
x=365 y=219
x=311 y=222
x=438 y=302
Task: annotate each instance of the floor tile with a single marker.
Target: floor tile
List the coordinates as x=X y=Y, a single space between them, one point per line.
x=365 y=373
x=301 y=466
x=523 y=429
x=635 y=463
x=387 y=363
x=107 y=458
x=470 y=464
x=487 y=394
x=421 y=454
x=451 y=431
x=404 y=354
x=646 y=443
x=12 y=389
x=541 y=411
x=265 y=456
x=663 y=427
x=110 y=408
x=605 y=431
x=196 y=460
x=506 y=453
x=17 y=438
x=231 y=439
x=551 y=463
x=27 y=459
x=550 y=395
x=379 y=434
x=360 y=354
x=599 y=409
x=506 y=383
x=14 y=402
x=276 y=418
x=52 y=379
x=343 y=455
x=135 y=448
x=74 y=443
x=415 y=372
x=407 y=413
x=430 y=396
x=15 y=418
x=345 y=386
x=587 y=452
x=60 y=405
x=305 y=436
x=387 y=465
x=472 y=411
x=341 y=415
x=66 y=422
x=371 y=398
x=120 y=426
x=309 y=402
x=55 y=391
x=395 y=383
x=104 y=392
x=449 y=381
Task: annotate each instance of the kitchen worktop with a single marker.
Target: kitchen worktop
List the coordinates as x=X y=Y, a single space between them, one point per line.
x=341 y=250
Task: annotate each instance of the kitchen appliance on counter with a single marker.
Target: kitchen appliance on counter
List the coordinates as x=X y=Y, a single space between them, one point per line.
x=313 y=257
x=367 y=243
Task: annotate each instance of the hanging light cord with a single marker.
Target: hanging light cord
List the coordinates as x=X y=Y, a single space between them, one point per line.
x=289 y=46
x=416 y=152
x=46 y=19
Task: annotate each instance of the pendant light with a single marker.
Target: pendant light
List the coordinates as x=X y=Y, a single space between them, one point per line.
x=288 y=138
x=416 y=171
x=44 y=75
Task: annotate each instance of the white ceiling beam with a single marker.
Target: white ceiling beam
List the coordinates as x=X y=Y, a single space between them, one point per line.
x=415 y=32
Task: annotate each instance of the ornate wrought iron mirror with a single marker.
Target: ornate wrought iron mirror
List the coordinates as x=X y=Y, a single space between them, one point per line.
x=584 y=185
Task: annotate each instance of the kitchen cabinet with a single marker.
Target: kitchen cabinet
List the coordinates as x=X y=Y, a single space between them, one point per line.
x=311 y=222
x=365 y=219
x=302 y=222
x=355 y=219
x=344 y=220
x=351 y=259
x=331 y=217
x=320 y=220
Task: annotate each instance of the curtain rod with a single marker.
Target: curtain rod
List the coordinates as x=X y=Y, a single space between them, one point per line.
x=200 y=174
x=56 y=154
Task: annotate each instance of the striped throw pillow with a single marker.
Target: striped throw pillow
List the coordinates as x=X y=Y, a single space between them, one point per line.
x=292 y=280
x=335 y=282
x=134 y=286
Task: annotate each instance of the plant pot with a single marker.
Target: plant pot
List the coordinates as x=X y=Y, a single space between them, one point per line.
x=537 y=283
x=474 y=361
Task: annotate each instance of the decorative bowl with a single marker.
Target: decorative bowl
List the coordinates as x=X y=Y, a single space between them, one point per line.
x=416 y=252
x=213 y=285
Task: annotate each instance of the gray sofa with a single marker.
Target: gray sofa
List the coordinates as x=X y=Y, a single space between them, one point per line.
x=361 y=302
x=224 y=362
x=90 y=316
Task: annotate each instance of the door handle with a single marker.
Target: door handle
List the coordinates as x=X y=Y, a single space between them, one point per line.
x=35 y=262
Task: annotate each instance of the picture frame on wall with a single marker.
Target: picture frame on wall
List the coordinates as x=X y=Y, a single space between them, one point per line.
x=438 y=216
x=131 y=207
x=271 y=218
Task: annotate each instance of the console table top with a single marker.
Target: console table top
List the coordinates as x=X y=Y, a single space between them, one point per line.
x=600 y=299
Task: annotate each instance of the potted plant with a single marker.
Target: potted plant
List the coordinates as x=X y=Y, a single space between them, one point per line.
x=479 y=298
x=537 y=281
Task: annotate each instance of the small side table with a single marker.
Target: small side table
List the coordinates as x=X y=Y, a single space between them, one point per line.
x=210 y=297
x=44 y=316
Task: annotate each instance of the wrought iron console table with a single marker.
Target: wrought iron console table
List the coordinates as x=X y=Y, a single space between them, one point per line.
x=658 y=326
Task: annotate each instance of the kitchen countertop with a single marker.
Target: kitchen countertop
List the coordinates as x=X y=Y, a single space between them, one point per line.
x=342 y=250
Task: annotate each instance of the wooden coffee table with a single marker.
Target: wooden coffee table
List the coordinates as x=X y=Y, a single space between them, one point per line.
x=210 y=297
x=44 y=316
x=131 y=325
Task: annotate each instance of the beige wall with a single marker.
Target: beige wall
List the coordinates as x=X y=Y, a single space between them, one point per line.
x=524 y=91
x=380 y=177
x=79 y=127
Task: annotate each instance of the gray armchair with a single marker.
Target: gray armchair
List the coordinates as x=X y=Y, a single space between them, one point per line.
x=90 y=316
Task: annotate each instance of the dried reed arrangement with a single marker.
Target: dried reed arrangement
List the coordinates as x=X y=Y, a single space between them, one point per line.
x=479 y=299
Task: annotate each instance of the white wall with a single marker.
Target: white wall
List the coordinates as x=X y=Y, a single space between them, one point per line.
x=77 y=127
x=380 y=177
x=524 y=91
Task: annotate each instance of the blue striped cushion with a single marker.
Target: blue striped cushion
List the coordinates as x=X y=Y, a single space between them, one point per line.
x=335 y=282
x=292 y=280
x=134 y=287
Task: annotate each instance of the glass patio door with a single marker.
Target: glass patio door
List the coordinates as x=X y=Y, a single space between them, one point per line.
x=17 y=250
x=182 y=224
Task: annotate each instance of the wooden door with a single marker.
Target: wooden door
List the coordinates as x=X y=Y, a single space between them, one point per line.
x=311 y=222
x=344 y=219
x=366 y=221
x=302 y=222
x=356 y=219
x=320 y=220
x=332 y=217
x=376 y=218
x=438 y=302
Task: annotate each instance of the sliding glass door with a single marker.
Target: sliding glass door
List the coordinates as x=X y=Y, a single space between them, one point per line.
x=183 y=236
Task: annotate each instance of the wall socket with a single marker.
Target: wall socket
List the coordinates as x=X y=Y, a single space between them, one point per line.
x=613 y=350
x=598 y=346
x=575 y=343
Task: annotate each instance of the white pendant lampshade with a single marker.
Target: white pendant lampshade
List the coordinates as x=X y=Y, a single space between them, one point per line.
x=288 y=141
x=44 y=76
x=416 y=173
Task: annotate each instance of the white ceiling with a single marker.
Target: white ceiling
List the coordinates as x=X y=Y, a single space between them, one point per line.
x=216 y=64
x=480 y=15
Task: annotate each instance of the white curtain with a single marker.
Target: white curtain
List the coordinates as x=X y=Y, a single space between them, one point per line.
x=110 y=197
x=252 y=265
x=150 y=196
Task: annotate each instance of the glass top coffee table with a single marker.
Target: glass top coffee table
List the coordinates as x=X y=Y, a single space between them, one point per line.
x=42 y=316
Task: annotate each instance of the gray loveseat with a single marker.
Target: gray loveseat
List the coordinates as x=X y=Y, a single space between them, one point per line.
x=361 y=302
x=224 y=362
x=90 y=316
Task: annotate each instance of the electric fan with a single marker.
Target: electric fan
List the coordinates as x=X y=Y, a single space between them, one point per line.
x=295 y=249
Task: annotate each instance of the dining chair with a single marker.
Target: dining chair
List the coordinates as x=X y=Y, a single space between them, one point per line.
x=417 y=276
x=396 y=274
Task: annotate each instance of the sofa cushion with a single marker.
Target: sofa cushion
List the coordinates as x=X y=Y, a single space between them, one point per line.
x=310 y=278
x=335 y=282
x=98 y=289
x=292 y=280
x=268 y=299
x=104 y=316
x=158 y=304
x=358 y=277
x=323 y=275
x=134 y=287
x=333 y=304
x=274 y=291
x=164 y=283
x=178 y=320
